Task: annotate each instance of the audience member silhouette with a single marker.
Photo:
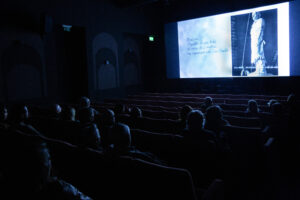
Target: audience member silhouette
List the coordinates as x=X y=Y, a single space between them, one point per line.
x=20 y=115
x=281 y=140
x=3 y=117
x=292 y=109
x=185 y=110
x=270 y=103
x=56 y=111
x=199 y=149
x=89 y=135
x=195 y=127
x=208 y=101
x=69 y=114
x=3 y=113
x=106 y=123
x=85 y=102
x=135 y=113
x=277 y=123
x=291 y=100
x=27 y=171
x=120 y=139
x=215 y=120
x=252 y=109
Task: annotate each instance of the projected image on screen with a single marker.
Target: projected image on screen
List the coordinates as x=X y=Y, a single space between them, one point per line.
x=250 y=43
x=254 y=44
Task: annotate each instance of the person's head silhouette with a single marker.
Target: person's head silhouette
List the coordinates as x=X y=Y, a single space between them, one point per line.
x=195 y=121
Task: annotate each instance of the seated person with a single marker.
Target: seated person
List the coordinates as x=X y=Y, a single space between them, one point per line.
x=56 y=111
x=85 y=102
x=214 y=119
x=252 y=109
x=19 y=120
x=278 y=122
x=292 y=107
x=69 y=114
x=195 y=127
x=208 y=101
x=185 y=110
x=266 y=116
x=216 y=123
x=3 y=117
x=89 y=135
x=106 y=123
x=199 y=149
x=120 y=145
x=27 y=171
x=291 y=100
x=136 y=112
x=270 y=103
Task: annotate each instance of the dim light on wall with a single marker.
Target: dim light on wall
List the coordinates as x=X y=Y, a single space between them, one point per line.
x=67 y=27
x=151 y=38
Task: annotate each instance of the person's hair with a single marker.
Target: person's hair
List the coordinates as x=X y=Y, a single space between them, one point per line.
x=291 y=100
x=108 y=117
x=3 y=113
x=19 y=112
x=56 y=109
x=28 y=163
x=208 y=101
x=252 y=106
x=185 y=110
x=86 y=115
x=136 y=112
x=214 y=113
x=195 y=120
x=69 y=113
x=84 y=102
x=271 y=102
x=120 y=137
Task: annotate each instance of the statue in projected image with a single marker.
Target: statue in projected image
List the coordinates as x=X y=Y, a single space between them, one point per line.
x=257 y=45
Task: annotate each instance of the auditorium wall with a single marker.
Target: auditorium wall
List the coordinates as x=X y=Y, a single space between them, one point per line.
x=33 y=31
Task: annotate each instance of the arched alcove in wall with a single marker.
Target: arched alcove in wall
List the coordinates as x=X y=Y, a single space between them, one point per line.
x=106 y=70
x=131 y=54
x=105 y=53
x=22 y=72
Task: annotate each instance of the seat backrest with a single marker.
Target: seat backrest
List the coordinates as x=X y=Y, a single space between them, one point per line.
x=243 y=121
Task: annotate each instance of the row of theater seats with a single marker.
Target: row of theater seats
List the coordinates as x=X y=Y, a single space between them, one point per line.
x=174 y=105
x=236 y=118
x=168 y=147
x=231 y=96
x=131 y=178
x=173 y=126
x=158 y=132
x=262 y=100
x=169 y=113
x=102 y=177
x=230 y=117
